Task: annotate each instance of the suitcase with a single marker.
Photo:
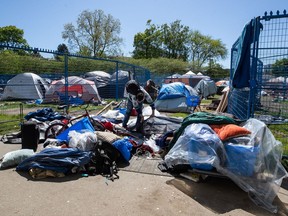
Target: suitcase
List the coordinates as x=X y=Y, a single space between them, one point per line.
x=30 y=135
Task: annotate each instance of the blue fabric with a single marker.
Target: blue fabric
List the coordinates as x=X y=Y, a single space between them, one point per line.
x=81 y=126
x=241 y=159
x=204 y=149
x=55 y=159
x=193 y=101
x=125 y=147
x=173 y=90
x=241 y=76
x=45 y=114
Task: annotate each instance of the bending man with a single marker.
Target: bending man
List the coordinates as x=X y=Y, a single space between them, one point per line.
x=136 y=95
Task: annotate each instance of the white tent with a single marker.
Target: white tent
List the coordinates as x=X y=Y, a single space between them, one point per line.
x=190 y=73
x=25 y=86
x=77 y=87
x=279 y=79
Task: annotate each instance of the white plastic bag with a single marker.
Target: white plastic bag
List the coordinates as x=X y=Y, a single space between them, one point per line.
x=83 y=141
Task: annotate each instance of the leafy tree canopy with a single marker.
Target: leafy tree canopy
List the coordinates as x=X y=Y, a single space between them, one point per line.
x=96 y=34
x=178 y=42
x=280 y=67
x=12 y=36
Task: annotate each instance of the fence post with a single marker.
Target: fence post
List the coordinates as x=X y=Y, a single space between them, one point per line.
x=253 y=71
x=117 y=82
x=66 y=78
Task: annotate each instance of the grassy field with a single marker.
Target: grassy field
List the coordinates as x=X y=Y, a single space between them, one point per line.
x=11 y=116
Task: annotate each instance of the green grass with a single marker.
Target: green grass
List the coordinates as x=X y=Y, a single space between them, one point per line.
x=10 y=123
x=280 y=132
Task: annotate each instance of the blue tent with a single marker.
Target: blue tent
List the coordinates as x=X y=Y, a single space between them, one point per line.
x=176 y=97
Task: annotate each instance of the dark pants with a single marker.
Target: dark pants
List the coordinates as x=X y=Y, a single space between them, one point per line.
x=128 y=114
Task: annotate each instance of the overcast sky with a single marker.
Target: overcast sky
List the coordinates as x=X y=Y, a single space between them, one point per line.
x=43 y=20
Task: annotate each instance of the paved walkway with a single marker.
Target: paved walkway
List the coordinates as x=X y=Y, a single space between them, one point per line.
x=141 y=190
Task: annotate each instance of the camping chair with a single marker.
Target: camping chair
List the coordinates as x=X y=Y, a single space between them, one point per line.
x=71 y=99
x=194 y=102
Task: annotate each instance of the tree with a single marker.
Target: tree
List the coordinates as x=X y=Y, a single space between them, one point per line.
x=96 y=34
x=166 y=41
x=204 y=49
x=148 y=44
x=174 y=39
x=12 y=36
x=280 y=67
x=62 y=48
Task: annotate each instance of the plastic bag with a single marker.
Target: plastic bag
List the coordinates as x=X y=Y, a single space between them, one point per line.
x=83 y=141
x=151 y=142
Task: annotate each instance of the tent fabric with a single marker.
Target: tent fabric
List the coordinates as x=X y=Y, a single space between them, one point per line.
x=172 y=105
x=59 y=160
x=161 y=125
x=122 y=75
x=25 y=86
x=77 y=87
x=241 y=76
x=174 y=90
x=206 y=87
x=190 y=73
x=172 y=97
x=100 y=78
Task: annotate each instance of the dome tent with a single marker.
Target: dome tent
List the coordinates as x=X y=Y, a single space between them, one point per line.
x=77 y=88
x=206 y=87
x=175 y=97
x=25 y=86
x=100 y=78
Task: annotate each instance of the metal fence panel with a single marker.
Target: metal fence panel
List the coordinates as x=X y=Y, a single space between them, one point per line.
x=266 y=96
x=43 y=68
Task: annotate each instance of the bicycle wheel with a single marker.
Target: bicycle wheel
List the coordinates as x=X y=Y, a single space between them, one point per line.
x=54 y=130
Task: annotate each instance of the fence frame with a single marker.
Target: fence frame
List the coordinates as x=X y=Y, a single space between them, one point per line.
x=238 y=97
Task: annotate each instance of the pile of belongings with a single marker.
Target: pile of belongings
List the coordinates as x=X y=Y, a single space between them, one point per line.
x=82 y=150
x=244 y=151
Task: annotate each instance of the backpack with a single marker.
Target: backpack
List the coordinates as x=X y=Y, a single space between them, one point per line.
x=103 y=160
x=132 y=87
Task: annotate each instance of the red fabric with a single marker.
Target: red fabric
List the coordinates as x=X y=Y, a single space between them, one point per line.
x=108 y=125
x=133 y=112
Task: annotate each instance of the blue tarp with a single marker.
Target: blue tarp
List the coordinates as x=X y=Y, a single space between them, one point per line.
x=241 y=75
x=45 y=114
x=55 y=159
x=173 y=90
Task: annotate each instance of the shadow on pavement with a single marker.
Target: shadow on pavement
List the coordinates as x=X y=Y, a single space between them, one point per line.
x=222 y=195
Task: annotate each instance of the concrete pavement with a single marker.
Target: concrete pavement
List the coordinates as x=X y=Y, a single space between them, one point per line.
x=133 y=194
